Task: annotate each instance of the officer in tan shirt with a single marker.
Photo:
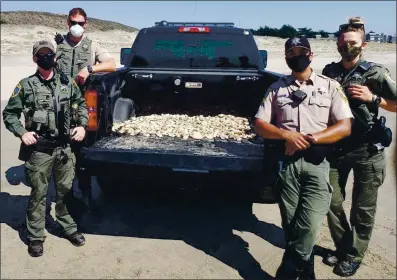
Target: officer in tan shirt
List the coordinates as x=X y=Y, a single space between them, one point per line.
x=305 y=110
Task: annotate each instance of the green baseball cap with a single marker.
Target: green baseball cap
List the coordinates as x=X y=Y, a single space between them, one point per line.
x=43 y=44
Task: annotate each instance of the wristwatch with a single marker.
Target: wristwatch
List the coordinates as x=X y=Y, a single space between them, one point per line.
x=89 y=68
x=376 y=99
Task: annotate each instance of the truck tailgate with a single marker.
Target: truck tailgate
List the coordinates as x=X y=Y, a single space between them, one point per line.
x=178 y=154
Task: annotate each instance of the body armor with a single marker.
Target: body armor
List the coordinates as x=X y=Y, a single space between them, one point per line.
x=71 y=60
x=47 y=110
x=364 y=118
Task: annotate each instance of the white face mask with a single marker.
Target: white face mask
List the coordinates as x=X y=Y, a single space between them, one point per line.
x=76 y=30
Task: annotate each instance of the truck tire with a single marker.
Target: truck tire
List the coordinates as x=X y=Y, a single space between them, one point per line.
x=124 y=109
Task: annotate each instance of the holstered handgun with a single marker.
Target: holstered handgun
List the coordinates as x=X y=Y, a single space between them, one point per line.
x=380 y=133
x=25 y=152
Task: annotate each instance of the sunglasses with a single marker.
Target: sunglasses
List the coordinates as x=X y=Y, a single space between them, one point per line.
x=46 y=55
x=81 y=23
x=344 y=27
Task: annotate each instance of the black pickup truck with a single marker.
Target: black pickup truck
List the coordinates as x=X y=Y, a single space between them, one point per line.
x=179 y=68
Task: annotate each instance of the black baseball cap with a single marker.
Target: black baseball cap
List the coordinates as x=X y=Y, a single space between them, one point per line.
x=297 y=41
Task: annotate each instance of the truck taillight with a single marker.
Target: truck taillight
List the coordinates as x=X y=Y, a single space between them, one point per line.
x=194 y=29
x=91 y=98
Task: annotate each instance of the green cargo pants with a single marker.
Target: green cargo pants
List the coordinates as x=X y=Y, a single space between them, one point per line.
x=38 y=173
x=369 y=173
x=304 y=199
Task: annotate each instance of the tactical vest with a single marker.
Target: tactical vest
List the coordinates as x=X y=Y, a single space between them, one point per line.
x=364 y=118
x=47 y=111
x=71 y=60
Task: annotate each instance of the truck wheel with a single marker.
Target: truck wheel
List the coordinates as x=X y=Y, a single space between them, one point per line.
x=124 y=109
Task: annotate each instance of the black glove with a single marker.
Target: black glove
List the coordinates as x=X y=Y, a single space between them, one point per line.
x=58 y=38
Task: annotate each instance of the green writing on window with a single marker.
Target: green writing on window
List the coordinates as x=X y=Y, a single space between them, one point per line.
x=205 y=48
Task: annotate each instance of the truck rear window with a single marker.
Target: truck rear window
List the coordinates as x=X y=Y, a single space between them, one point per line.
x=195 y=51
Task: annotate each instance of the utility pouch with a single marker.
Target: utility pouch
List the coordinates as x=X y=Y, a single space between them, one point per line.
x=52 y=124
x=40 y=120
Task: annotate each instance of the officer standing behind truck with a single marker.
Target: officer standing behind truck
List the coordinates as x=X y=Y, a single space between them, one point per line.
x=47 y=99
x=368 y=87
x=78 y=56
x=299 y=109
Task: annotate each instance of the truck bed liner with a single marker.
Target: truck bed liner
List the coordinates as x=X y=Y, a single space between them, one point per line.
x=217 y=155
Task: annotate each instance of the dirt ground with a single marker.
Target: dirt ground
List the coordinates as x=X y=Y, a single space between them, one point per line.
x=152 y=233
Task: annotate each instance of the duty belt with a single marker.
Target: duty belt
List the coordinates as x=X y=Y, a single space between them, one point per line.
x=315 y=154
x=48 y=146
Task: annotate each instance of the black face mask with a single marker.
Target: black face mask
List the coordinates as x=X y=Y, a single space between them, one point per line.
x=298 y=63
x=46 y=61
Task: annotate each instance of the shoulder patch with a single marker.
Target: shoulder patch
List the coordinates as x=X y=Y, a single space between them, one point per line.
x=16 y=91
x=389 y=78
x=341 y=92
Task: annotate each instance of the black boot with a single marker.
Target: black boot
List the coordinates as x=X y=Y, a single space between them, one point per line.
x=333 y=258
x=289 y=268
x=35 y=248
x=347 y=268
x=308 y=269
x=76 y=238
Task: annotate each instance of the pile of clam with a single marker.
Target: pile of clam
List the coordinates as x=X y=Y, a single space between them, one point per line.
x=226 y=127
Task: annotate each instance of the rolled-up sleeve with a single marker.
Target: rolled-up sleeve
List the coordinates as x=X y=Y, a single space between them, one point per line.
x=101 y=54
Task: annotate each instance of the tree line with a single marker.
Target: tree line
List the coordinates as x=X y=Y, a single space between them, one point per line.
x=287 y=31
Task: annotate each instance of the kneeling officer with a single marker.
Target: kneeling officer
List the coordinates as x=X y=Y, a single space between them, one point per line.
x=48 y=100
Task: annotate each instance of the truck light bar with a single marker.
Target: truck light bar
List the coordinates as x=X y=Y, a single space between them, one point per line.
x=220 y=24
x=194 y=29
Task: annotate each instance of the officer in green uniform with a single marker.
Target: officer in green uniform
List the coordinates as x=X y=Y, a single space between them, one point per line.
x=305 y=112
x=368 y=86
x=78 y=56
x=48 y=100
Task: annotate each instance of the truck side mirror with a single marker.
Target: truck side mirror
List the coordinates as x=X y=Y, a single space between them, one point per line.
x=263 y=54
x=124 y=55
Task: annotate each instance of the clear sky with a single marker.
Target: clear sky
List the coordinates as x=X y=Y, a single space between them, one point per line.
x=380 y=16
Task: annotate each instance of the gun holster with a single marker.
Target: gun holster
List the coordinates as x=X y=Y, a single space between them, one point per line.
x=25 y=152
x=381 y=133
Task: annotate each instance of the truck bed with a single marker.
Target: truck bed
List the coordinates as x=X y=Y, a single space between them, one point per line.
x=178 y=154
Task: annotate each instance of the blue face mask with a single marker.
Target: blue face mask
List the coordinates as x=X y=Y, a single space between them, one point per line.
x=298 y=63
